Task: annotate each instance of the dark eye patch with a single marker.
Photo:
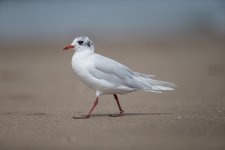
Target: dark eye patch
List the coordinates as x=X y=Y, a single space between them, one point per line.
x=80 y=42
x=88 y=44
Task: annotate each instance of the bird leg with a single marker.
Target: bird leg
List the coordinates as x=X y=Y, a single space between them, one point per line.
x=119 y=106
x=90 y=111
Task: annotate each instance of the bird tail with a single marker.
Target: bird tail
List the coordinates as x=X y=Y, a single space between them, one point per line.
x=153 y=85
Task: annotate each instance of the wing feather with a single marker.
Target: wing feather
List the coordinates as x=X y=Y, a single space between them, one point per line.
x=113 y=72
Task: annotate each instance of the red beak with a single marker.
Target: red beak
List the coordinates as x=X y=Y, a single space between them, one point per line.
x=68 y=47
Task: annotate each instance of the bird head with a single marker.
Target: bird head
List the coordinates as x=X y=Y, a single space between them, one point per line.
x=81 y=43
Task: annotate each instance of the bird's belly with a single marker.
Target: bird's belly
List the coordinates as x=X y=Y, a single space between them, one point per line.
x=117 y=90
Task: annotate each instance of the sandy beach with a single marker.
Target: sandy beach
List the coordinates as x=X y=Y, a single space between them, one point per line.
x=39 y=95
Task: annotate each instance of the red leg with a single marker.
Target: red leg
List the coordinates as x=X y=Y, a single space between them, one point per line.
x=119 y=106
x=90 y=111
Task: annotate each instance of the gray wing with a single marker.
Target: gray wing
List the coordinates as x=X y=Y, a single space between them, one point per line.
x=114 y=72
x=120 y=75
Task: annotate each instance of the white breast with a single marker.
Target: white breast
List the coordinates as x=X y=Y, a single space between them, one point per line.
x=81 y=63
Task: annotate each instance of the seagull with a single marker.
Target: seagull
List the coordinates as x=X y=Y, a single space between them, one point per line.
x=107 y=76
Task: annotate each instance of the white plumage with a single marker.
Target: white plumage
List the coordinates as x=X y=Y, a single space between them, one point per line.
x=107 y=76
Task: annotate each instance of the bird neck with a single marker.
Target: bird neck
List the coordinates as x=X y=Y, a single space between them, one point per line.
x=83 y=53
x=85 y=49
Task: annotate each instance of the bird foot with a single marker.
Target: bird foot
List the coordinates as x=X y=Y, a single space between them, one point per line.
x=81 y=117
x=117 y=115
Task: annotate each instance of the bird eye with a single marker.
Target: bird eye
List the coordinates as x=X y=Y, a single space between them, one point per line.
x=80 y=42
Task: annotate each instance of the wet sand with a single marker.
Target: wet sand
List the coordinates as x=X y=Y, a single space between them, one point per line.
x=39 y=95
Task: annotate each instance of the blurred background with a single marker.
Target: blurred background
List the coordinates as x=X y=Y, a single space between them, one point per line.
x=181 y=41
x=116 y=19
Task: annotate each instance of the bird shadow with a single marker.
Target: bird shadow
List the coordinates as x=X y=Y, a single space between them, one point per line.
x=132 y=114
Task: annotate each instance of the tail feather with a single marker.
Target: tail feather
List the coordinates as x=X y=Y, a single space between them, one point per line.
x=155 y=85
x=164 y=88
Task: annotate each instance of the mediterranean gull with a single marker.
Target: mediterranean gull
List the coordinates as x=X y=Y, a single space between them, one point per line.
x=107 y=76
